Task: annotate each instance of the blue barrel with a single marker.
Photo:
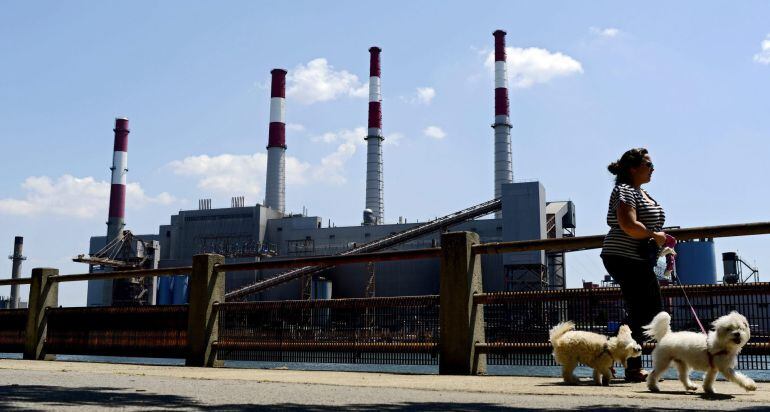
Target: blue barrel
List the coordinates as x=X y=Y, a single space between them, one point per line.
x=321 y=289
x=164 y=290
x=179 y=290
x=696 y=262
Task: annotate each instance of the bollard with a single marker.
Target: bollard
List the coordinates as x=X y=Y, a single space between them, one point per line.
x=43 y=294
x=206 y=287
x=462 y=322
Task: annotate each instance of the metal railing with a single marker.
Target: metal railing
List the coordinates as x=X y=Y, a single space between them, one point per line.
x=400 y=330
x=404 y=330
x=144 y=331
x=13 y=323
x=517 y=323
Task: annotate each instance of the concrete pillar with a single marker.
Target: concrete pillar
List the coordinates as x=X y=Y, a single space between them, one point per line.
x=206 y=287
x=43 y=294
x=462 y=322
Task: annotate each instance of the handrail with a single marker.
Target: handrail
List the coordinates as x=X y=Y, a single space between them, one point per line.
x=17 y=281
x=333 y=260
x=123 y=274
x=593 y=242
x=487 y=298
x=560 y=244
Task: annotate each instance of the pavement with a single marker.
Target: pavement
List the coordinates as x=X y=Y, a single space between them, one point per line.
x=81 y=386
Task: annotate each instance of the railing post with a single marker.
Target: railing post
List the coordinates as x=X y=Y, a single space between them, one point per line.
x=43 y=294
x=206 y=287
x=462 y=322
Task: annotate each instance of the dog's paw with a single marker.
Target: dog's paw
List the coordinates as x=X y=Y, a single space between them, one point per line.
x=691 y=387
x=653 y=388
x=709 y=390
x=750 y=386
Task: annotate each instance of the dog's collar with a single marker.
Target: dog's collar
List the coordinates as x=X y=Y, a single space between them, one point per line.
x=713 y=355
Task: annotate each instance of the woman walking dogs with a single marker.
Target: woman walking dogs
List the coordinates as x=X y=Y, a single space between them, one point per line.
x=631 y=246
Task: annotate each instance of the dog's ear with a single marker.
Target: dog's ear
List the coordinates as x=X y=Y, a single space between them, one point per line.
x=624 y=330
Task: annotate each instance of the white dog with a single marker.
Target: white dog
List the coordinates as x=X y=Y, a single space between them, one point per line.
x=712 y=353
x=571 y=347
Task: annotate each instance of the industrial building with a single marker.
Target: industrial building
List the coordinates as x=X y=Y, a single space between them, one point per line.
x=263 y=231
x=244 y=233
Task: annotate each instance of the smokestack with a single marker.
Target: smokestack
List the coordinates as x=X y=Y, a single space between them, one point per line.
x=374 y=181
x=17 y=258
x=116 y=222
x=502 y=125
x=275 y=191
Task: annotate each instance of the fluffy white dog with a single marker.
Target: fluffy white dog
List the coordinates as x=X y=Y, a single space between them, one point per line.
x=712 y=353
x=571 y=347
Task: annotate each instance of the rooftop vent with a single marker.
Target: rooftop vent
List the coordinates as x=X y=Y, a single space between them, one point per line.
x=204 y=204
x=237 y=201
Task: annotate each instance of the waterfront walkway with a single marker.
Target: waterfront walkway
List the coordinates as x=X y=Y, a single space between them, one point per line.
x=38 y=385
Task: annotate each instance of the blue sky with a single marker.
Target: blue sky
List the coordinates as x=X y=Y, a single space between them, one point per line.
x=690 y=81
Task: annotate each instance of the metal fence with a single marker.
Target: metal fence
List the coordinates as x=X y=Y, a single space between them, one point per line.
x=517 y=323
x=397 y=330
x=144 y=331
x=13 y=324
x=394 y=330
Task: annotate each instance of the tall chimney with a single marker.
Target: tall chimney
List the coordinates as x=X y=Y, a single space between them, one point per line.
x=116 y=222
x=374 y=181
x=502 y=125
x=16 y=258
x=275 y=186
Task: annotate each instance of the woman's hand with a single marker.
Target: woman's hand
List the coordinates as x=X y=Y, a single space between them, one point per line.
x=659 y=237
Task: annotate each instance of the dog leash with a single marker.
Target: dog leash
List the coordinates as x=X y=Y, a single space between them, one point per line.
x=670 y=243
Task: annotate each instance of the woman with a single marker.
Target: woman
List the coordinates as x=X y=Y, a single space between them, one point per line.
x=629 y=249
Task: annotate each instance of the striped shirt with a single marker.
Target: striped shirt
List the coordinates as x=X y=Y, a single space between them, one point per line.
x=648 y=212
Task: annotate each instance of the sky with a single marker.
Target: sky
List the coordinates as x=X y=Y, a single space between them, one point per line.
x=688 y=80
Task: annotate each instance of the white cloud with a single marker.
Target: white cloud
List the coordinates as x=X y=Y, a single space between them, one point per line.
x=393 y=139
x=332 y=166
x=763 y=57
x=318 y=81
x=423 y=95
x=534 y=65
x=295 y=127
x=607 y=32
x=434 y=132
x=355 y=135
x=230 y=174
x=74 y=197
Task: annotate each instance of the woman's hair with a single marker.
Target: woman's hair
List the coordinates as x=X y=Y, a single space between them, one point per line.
x=622 y=167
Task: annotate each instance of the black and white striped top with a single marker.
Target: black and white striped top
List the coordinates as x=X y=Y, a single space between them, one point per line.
x=650 y=213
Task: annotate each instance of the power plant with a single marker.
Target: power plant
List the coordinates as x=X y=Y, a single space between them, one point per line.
x=250 y=233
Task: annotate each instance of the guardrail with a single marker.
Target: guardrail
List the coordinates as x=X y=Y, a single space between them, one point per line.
x=209 y=330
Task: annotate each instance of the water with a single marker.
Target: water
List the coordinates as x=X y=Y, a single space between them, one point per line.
x=500 y=370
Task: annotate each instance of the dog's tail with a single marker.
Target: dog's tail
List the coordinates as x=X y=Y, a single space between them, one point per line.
x=559 y=330
x=659 y=327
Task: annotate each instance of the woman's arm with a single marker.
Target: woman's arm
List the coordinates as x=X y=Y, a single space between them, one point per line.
x=634 y=228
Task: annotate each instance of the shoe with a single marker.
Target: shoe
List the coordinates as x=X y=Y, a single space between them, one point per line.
x=636 y=375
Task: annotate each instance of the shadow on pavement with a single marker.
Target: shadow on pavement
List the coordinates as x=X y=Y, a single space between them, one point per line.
x=38 y=397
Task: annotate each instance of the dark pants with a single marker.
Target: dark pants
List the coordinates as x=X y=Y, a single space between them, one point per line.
x=641 y=293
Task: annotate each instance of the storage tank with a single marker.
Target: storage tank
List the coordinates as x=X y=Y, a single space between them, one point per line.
x=730 y=263
x=164 y=290
x=696 y=262
x=179 y=290
x=321 y=289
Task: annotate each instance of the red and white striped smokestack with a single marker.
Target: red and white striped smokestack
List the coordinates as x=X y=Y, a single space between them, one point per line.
x=374 y=180
x=116 y=219
x=502 y=125
x=275 y=190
